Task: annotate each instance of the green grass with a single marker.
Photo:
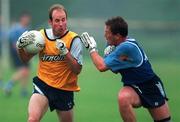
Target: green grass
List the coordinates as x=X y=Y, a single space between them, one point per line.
x=97 y=100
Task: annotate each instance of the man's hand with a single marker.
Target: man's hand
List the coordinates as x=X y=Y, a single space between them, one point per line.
x=61 y=46
x=109 y=49
x=25 y=39
x=88 y=42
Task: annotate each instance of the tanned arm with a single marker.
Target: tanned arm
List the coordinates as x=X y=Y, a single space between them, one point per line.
x=75 y=66
x=25 y=57
x=98 y=61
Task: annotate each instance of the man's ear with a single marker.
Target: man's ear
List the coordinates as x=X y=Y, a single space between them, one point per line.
x=50 y=22
x=118 y=36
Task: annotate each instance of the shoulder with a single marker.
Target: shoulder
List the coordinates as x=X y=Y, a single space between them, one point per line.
x=75 y=37
x=76 y=42
x=130 y=43
x=15 y=28
x=48 y=33
x=125 y=46
x=72 y=32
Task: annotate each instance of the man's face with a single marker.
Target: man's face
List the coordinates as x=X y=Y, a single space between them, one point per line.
x=25 y=20
x=59 y=22
x=109 y=36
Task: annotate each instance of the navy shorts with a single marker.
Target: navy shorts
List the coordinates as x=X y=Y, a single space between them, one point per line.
x=151 y=93
x=58 y=99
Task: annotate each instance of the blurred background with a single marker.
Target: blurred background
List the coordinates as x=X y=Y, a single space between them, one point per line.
x=155 y=25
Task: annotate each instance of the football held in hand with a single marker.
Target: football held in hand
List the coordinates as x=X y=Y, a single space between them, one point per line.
x=37 y=43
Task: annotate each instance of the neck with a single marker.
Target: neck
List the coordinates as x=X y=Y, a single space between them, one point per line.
x=121 y=40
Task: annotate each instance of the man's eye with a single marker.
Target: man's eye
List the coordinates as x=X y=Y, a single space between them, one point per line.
x=56 y=20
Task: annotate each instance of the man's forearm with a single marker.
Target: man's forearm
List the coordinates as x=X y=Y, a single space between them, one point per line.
x=98 y=61
x=75 y=66
x=24 y=56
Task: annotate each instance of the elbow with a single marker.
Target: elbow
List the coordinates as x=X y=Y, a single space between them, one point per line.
x=24 y=60
x=78 y=70
x=101 y=68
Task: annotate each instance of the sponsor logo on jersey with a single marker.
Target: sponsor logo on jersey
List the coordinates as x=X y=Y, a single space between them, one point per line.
x=52 y=58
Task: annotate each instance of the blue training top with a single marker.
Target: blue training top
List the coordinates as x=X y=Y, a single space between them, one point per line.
x=131 y=62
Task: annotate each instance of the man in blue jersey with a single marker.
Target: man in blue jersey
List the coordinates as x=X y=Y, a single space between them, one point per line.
x=22 y=71
x=142 y=87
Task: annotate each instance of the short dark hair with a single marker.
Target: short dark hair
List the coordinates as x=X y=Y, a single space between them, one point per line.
x=54 y=7
x=24 y=13
x=118 y=26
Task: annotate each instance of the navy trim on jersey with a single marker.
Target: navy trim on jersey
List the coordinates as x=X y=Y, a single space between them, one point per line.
x=45 y=31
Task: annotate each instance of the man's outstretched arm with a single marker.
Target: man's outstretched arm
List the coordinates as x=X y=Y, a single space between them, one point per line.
x=91 y=45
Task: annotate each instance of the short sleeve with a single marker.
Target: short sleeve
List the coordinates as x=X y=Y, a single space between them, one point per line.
x=116 y=61
x=77 y=49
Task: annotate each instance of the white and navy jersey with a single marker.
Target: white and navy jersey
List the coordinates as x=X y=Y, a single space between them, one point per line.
x=131 y=62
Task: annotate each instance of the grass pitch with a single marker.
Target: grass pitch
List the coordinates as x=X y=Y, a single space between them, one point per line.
x=97 y=100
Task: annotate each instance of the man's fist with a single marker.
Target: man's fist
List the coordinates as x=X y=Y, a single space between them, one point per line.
x=109 y=49
x=61 y=46
x=25 y=39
